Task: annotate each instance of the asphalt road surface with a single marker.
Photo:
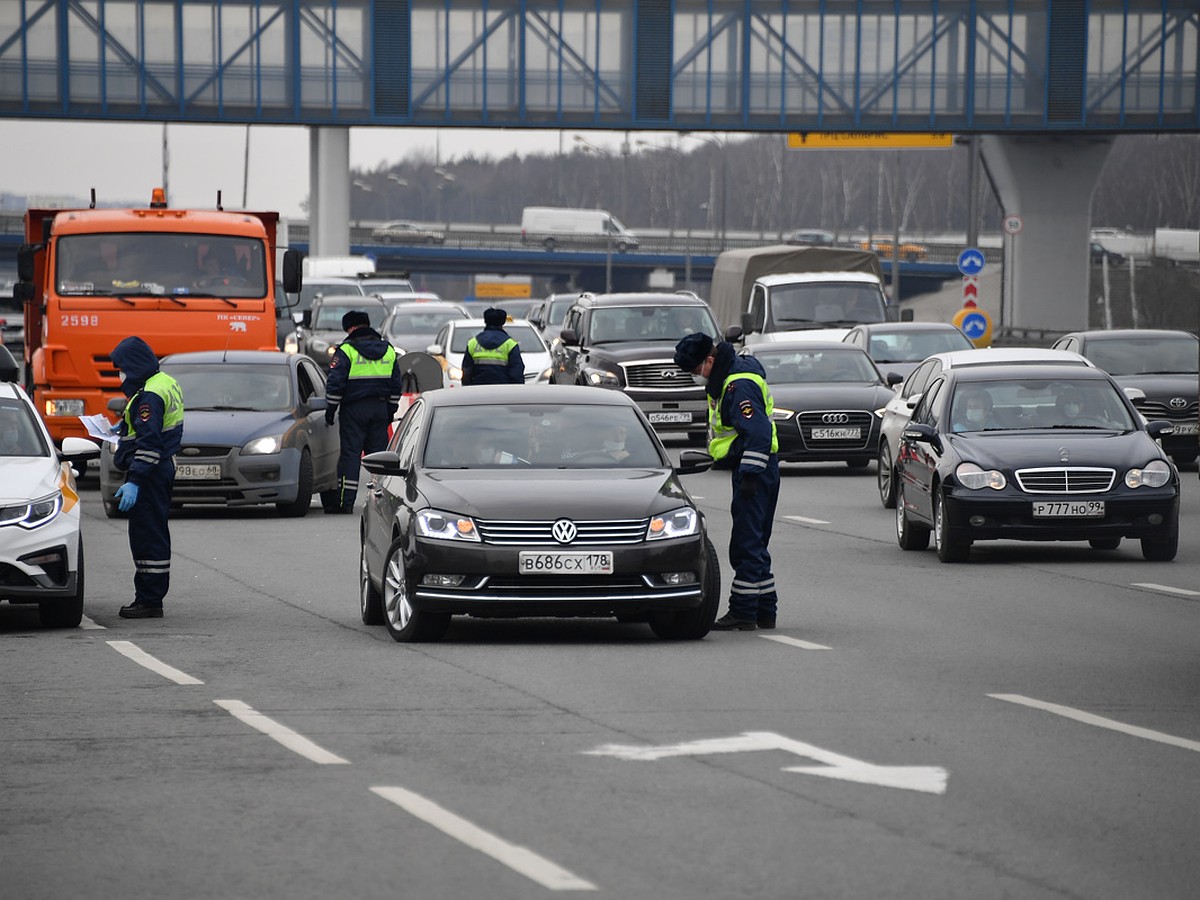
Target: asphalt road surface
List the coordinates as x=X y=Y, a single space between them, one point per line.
x=1025 y=725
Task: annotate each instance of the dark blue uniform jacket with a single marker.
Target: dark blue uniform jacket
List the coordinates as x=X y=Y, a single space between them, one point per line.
x=341 y=388
x=743 y=407
x=489 y=339
x=134 y=357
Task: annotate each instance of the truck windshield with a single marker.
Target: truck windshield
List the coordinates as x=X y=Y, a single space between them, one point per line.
x=135 y=263
x=826 y=303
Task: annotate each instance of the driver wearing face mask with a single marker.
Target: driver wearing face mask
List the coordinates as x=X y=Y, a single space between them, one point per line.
x=1070 y=405
x=974 y=412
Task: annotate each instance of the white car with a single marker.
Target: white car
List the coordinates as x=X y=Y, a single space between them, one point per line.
x=899 y=409
x=41 y=548
x=451 y=344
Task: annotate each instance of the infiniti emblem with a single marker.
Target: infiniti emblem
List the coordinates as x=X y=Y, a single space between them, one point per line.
x=563 y=531
x=1063 y=455
x=835 y=418
x=1177 y=402
x=669 y=373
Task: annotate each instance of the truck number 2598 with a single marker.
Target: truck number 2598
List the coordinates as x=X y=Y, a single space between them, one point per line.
x=80 y=321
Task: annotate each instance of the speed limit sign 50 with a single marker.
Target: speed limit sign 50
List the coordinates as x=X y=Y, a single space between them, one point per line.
x=1012 y=224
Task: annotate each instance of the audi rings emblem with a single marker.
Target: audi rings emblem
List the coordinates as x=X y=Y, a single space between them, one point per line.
x=1177 y=402
x=563 y=531
x=836 y=418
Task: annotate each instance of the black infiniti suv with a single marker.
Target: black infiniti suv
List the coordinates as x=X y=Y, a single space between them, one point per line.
x=627 y=342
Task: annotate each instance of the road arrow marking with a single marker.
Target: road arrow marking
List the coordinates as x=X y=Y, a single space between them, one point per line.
x=926 y=779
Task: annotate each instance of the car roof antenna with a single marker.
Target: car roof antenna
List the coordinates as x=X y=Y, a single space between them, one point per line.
x=220 y=208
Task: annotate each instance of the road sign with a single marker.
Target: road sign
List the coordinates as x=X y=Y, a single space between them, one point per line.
x=1013 y=224
x=975 y=324
x=970 y=261
x=865 y=140
x=970 y=288
x=927 y=779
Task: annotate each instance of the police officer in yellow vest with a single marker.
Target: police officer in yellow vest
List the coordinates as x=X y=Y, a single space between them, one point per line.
x=492 y=356
x=743 y=433
x=365 y=383
x=150 y=433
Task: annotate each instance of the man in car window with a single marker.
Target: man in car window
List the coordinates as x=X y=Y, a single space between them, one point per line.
x=973 y=411
x=740 y=407
x=492 y=356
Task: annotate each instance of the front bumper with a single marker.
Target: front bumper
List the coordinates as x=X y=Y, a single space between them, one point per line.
x=244 y=480
x=796 y=443
x=670 y=412
x=41 y=564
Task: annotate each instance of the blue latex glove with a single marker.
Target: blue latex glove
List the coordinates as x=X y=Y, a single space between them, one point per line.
x=126 y=496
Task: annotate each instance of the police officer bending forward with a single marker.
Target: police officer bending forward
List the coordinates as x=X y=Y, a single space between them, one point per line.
x=365 y=383
x=739 y=413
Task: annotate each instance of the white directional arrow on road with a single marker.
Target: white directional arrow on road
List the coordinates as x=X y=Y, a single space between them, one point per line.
x=927 y=779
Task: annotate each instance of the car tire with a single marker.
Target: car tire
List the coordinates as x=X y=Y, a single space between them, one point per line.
x=370 y=601
x=908 y=535
x=68 y=611
x=405 y=624
x=949 y=549
x=693 y=624
x=298 y=508
x=1162 y=550
x=885 y=478
x=1104 y=543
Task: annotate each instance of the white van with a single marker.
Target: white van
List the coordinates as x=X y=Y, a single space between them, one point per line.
x=555 y=226
x=337 y=267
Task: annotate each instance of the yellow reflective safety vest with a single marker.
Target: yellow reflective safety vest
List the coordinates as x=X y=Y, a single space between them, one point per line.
x=166 y=389
x=485 y=357
x=361 y=367
x=724 y=435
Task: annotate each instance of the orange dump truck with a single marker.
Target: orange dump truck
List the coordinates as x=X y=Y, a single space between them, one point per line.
x=181 y=279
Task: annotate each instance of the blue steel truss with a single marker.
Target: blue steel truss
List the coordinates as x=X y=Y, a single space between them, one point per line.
x=726 y=65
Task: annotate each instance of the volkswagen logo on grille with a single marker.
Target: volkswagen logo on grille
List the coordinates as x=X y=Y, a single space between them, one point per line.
x=563 y=531
x=1177 y=403
x=836 y=418
x=668 y=373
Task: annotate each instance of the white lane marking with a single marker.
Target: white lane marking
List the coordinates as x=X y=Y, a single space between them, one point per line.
x=88 y=625
x=926 y=779
x=520 y=859
x=794 y=642
x=805 y=520
x=142 y=658
x=1166 y=588
x=294 y=741
x=1100 y=721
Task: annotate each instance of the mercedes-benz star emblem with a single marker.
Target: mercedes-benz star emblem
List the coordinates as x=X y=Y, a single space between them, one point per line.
x=1063 y=455
x=563 y=531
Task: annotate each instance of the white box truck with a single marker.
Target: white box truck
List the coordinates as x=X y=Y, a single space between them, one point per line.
x=559 y=226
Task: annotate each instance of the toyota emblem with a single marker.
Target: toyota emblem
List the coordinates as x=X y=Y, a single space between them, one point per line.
x=563 y=531
x=1177 y=403
x=836 y=418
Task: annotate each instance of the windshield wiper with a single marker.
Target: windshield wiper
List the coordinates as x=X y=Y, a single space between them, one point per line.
x=812 y=322
x=1168 y=372
x=203 y=297
x=224 y=409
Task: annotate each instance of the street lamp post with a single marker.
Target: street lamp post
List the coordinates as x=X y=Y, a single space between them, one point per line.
x=447 y=178
x=721 y=145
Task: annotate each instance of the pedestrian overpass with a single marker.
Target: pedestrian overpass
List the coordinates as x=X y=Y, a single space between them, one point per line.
x=1045 y=85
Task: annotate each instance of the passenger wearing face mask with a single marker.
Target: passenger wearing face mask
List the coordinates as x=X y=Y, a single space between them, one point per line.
x=743 y=432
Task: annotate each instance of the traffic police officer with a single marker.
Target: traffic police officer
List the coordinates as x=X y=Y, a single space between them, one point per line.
x=743 y=433
x=492 y=356
x=150 y=433
x=365 y=382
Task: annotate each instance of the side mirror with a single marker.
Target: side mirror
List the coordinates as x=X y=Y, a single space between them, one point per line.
x=747 y=321
x=920 y=433
x=26 y=270
x=8 y=365
x=24 y=291
x=569 y=337
x=733 y=333
x=116 y=404
x=894 y=378
x=434 y=349
x=1160 y=428
x=693 y=461
x=77 y=448
x=298 y=317
x=317 y=404
x=305 y=319
x=1134 y=394
x=912 y=401
x=292 y=271
x=384 y=462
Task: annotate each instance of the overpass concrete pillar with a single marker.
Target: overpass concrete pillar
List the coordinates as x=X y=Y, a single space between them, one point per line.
x=328 y=191
x=1048 y=182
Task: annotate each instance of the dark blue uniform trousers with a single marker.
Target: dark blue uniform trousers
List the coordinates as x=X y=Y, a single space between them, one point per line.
x=363 y=427
x=752 y=593
x=150 y=538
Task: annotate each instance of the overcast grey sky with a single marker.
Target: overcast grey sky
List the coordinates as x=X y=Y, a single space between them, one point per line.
x=123 y=161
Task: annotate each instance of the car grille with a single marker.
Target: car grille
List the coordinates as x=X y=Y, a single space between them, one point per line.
x=194 y=453
x=1157 y=409
x=601 y=532
x=658 y=375
x=1065 y=480
x=853 y=418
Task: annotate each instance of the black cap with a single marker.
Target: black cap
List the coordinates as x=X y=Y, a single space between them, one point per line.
x=693 y=350
x=494 y=317
x=356 y=318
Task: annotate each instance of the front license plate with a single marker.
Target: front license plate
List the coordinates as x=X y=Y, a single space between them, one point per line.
x=1068 y=509
x=1187 y=428
x=193 y=472
x=835 y=434
x=566 y=563
x=659 y=418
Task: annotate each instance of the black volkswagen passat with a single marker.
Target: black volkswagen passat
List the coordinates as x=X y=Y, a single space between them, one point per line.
x=1033 y=453
x=532 y=500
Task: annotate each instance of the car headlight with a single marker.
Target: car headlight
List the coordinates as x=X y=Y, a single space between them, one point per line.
x=1153 y=474
x=270 y=444
x=291 y=345
x=779 y=414
x=64 y=407
x=680 y=522
x=600 y=377
x=34 y=514
x=446 y=526
x=973 y=477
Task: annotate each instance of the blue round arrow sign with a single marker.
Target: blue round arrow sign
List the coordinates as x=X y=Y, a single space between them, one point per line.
x=974 y=325
x=970 y=261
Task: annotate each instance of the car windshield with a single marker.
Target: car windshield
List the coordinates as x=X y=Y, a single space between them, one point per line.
x=329 y=316
x=229 y=386
x=402 y=323
x=914 y=346
x=649 y=323
x=539 y=436
x=1145 y=356
x=526 y=337
x=19 y=434
x=815 y=366
x=826 y=303
x=1019 y=405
